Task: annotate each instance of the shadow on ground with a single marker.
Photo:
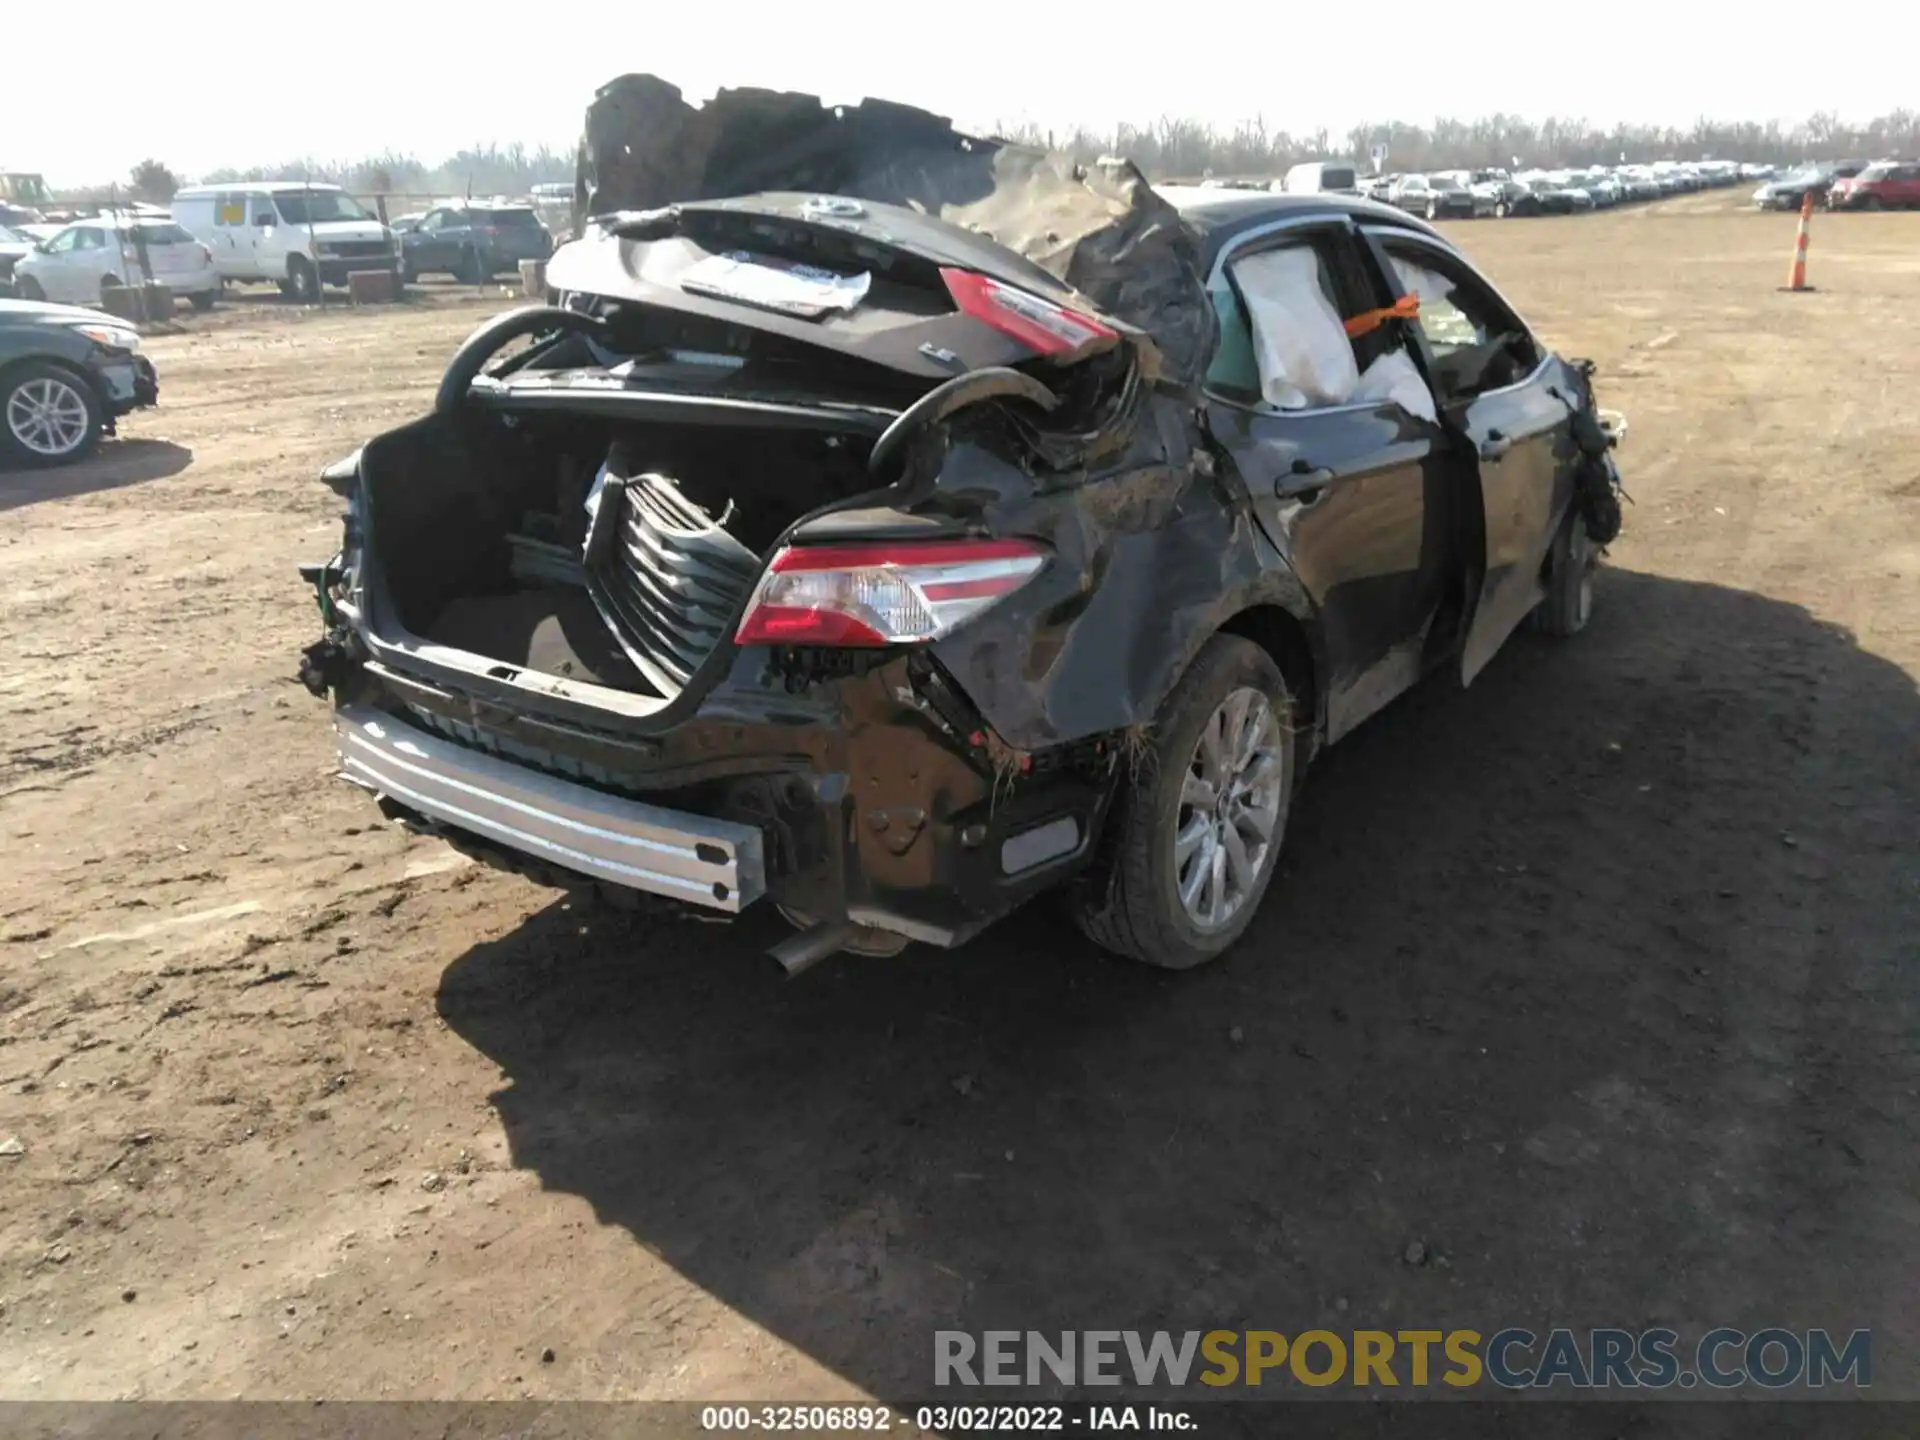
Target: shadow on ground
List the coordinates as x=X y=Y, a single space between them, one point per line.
x=1576 y=1004
x=116 y=464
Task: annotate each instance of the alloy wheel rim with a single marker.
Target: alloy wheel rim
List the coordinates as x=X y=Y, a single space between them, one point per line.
x=1231 y=799
x=48 y=417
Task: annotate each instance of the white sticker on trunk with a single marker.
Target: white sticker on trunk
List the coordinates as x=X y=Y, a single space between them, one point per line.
x=769 y=284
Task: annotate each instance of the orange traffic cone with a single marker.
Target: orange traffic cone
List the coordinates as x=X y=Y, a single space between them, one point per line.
x=1797 y=276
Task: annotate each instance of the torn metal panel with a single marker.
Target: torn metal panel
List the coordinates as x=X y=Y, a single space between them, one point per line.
x=1101 y=229
x=1151 y=557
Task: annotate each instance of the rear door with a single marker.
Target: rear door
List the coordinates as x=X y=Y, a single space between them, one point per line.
x=1358 y=495
x=170 y=250
x=1494 y=382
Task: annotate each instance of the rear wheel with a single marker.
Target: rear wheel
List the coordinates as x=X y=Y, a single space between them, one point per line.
x=48 y=416
x=202 y=300
x=1195 y=834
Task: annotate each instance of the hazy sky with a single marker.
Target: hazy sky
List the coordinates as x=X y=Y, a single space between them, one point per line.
x=257 y=91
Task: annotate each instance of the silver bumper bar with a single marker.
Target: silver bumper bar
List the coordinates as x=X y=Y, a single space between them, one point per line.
x=716 y=863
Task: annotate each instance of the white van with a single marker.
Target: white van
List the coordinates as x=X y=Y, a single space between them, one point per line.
x=1321 y=177
x=299 y=236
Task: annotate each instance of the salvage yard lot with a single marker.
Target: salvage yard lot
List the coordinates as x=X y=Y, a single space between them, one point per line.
x=1597 y=980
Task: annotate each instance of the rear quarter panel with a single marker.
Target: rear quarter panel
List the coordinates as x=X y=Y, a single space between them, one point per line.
x=1150 y=559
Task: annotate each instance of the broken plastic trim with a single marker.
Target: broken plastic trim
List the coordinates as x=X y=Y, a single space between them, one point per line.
x=937 y=404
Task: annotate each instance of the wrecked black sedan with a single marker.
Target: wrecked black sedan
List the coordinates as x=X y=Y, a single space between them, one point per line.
x=891 y=526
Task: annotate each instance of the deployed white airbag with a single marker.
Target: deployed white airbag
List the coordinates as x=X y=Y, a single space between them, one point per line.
x=1396 y=379
x=1305 y=357
x=1301 y=345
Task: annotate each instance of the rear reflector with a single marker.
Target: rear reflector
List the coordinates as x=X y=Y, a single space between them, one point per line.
x=1042 y=326
x=852 y=596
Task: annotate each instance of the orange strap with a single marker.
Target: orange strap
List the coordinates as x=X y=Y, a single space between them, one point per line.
x=1407 y=307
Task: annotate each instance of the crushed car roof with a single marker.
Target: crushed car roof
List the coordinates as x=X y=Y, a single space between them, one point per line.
x=1100 y=230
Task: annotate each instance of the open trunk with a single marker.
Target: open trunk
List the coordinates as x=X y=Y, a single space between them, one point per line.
x=593 y=549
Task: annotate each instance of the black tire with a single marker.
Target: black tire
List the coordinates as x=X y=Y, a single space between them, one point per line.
x=1128 y=902
x=303 y=281
x=29 y=288
x=15 y=451
x=202 y=300
x=1568 y=605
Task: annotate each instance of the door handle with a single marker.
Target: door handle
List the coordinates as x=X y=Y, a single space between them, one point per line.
x=1305 y=483
x=1495 y=445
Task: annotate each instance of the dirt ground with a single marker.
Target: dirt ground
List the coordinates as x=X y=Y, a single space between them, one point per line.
x=1597 y=980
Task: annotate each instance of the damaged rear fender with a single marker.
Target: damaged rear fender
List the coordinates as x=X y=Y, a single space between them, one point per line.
x=1149 y=562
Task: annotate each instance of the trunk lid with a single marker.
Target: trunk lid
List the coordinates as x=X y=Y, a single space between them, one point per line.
x=1097 y=238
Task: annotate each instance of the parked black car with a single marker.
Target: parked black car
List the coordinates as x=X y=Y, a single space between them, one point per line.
x=1437 y=197
x=821 y=550
x=1558 y=199
x=66 y=375
x=472 y=242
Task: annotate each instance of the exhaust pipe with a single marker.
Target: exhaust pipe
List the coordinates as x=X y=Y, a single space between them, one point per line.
x=805 y=949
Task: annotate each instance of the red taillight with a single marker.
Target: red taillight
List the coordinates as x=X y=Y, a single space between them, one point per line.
x=845 y=596
x=1042 y=326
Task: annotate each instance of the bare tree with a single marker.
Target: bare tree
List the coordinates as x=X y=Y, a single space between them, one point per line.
x=153 y=181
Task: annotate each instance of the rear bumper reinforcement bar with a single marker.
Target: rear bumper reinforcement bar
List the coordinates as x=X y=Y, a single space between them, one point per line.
x=715 y=863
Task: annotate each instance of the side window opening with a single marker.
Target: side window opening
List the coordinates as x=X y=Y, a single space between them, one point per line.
x=1477 y=344
x=1283 y=339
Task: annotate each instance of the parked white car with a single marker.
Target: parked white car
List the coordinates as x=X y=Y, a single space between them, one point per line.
x=81 y=260
x=297 y=235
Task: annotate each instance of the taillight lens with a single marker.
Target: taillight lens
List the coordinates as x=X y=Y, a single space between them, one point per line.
x=882 y=594
x=1042 y=326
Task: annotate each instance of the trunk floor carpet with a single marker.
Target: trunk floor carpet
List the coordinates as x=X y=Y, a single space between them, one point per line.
x=555 y=632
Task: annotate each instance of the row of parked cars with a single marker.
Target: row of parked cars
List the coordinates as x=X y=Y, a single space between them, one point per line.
x=1472 y=194
x=296 y=235
x=1847 y=185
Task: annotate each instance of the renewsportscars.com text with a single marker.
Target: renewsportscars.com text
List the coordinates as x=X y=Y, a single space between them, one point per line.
x=1511 y=1359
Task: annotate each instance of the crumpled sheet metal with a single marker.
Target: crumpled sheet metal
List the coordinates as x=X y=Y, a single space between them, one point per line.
x=1101 y=229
